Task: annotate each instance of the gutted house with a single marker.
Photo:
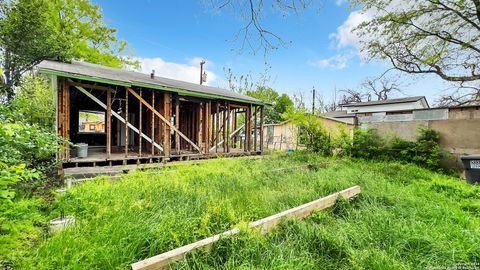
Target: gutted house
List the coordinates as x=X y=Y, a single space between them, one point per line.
x=113 y=116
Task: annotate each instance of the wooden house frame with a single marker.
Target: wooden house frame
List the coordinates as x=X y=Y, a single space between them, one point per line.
x=148 y=118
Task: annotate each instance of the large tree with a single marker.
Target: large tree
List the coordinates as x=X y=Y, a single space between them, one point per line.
x=34 y=30
x=440 y=37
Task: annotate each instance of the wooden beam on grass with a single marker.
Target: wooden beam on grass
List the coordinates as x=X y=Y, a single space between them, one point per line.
x=265 y=225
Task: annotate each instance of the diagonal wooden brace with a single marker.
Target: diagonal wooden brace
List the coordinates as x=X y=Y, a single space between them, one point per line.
x=120 y=118
x=163 y=118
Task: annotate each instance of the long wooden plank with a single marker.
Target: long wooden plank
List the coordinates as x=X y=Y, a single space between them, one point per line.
x=116 y=115
x=163 y=119
x=265 y=225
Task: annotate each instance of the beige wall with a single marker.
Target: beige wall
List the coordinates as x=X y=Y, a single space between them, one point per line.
x=285 y=134
x=460 y=136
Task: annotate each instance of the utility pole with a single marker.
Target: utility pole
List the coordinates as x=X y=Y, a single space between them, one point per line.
x=203 y=75
x=313 y=101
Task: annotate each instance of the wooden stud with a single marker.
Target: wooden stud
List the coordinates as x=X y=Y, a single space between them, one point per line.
x=126 y=123
x=247 y=129
x=224 y=129
x=234 y=120
x=67 y=118
x=217 y=127
x=140 y=111
x=207 y=127
x=261 y=128
x=177 y=123
x=255 y=129
x=228 y=128
x=200 y=124
x=109 y=122
x=167 y=110
x=153 y=123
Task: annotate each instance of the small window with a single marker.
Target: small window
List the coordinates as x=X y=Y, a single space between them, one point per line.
x=92 y=127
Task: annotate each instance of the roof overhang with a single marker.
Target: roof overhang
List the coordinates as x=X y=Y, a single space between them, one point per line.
x=157 y=86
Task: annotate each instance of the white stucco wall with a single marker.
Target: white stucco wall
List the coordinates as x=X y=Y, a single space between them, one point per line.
x=387 y=107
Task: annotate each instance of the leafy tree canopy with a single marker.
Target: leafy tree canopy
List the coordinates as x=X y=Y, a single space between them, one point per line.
x=440 y=37
x=279 y=103
x=34 y=30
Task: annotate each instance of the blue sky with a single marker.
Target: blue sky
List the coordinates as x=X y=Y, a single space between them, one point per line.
x=172 y=36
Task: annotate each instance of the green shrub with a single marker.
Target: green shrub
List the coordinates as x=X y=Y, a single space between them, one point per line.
x=425 y=151
x=313 y=135
x=26 y=156
x=367 y=144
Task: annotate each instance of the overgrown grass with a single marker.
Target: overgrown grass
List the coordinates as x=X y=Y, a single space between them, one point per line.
x=406 y=217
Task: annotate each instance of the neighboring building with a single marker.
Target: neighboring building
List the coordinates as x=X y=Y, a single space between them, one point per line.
x=283 y=135
x=459 y=127
x=385 y=107
x=128 y=117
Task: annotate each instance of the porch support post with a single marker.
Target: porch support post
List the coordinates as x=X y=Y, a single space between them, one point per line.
x=255 y=129
x=207 y=127
x=109 y=122
x=167 y=110
x=200 y=124
x=261 y=128
x=153 y=124
x=228 y=127
x=224 y=128
x=140 y=109
x=217 y=126
x=126 y=124
x=177 y=123
x=234 y=127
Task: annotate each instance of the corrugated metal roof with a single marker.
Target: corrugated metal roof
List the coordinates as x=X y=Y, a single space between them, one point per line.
x=381 y=102
x=100 y=73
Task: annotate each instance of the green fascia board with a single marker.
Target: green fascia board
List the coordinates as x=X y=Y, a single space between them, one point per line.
x=146 y=85
x=83 y=77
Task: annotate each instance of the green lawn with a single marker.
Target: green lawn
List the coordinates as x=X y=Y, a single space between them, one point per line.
x=405 y=218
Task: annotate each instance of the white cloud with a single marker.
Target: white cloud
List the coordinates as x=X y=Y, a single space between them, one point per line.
x=189 y=72
x=339 y=61
x=344 y=37
x=340 y=2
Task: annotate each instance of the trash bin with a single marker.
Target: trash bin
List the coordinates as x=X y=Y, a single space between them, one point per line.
x=471 y=164
x=82 y=150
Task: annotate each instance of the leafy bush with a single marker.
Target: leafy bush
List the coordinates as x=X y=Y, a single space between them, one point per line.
x=312 y=134
x=425 y=151
x=27 y=153
x=367 y=144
